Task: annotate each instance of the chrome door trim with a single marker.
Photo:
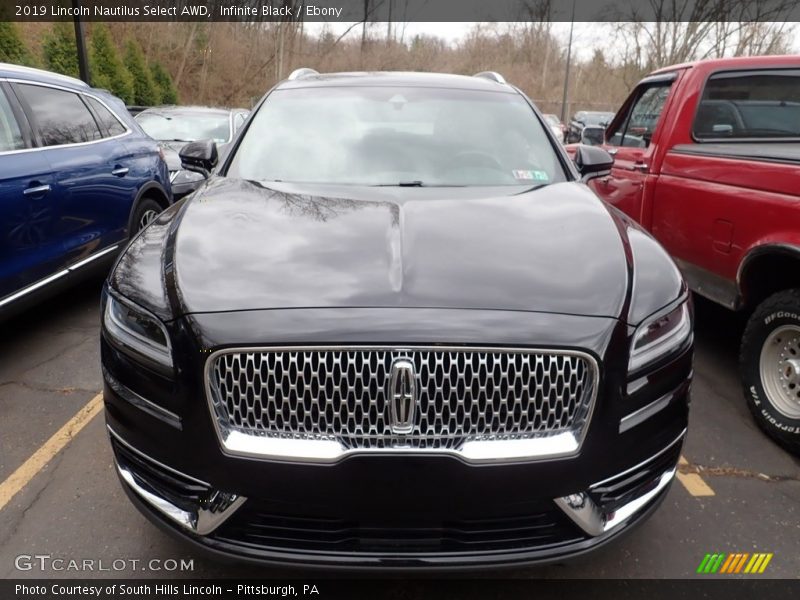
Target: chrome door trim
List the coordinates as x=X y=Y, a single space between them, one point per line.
x=54 y=277
x=33 y=287
x=92 y=258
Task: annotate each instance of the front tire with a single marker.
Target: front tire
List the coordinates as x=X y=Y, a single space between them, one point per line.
x=770 y=367
x=146 y=212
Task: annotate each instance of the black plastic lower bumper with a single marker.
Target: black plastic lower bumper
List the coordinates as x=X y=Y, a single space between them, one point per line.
x=265 y=530
x=388 y=561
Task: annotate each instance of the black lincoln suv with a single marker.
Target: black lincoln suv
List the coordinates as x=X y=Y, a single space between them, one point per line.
x=395 y=329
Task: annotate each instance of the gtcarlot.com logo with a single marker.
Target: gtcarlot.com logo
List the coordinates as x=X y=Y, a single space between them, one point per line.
x=47 y=562
x=738 y=562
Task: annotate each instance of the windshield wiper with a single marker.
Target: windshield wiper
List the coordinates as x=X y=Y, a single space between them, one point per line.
x=414 y=183
x=532 y=189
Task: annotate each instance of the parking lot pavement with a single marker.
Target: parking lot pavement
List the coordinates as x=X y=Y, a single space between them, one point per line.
x=73 y=508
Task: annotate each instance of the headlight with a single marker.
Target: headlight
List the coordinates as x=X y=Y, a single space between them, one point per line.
x=136 y=330
x=661 y=335
x=183 y=176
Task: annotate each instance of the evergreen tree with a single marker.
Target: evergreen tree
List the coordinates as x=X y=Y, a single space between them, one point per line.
x=108 y=71
x=168 y=93
x=12 y=48
x=145 y=90
x=60 y=51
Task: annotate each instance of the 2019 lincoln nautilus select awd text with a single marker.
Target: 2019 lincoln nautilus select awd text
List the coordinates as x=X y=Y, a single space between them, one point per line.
x=395 y=329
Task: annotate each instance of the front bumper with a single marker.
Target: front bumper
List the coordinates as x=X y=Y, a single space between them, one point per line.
x=236 y=527
x=395 y=511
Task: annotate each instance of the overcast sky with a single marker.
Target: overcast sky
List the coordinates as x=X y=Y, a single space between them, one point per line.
x=586 y=36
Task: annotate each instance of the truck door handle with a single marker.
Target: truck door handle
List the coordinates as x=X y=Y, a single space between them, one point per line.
x=639 y=166
x=613 y=151
x=120 y=171
x=37 y=190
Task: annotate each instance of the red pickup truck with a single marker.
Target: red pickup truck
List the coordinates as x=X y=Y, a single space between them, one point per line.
x=707 y=158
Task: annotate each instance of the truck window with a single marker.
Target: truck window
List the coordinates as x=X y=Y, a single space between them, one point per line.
x=747 y=105
x=637 y=129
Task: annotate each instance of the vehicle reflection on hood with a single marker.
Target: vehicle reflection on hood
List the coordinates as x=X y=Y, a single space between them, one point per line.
x=367 y=246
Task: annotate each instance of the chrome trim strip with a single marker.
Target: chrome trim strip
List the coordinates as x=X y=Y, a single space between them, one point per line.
x=201 y=521
x=33 y=287
x=50 y=279
x=636 y=385
x=140 y=401
x=236 y=443
x=119 y=438
x=591 y=518
x=560 y=446
x=641 y=415
x=209 y=514
x=641 y=464
x=178 y=515
x=91 y=258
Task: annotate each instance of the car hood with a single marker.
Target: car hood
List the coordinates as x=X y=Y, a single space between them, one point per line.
x=241 y=246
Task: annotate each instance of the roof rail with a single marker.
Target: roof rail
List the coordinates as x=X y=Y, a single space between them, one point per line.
x=32 y=72
x=492 y=75
x=304 y=72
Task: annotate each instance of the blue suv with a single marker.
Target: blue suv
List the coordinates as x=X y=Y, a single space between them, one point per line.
x=78 y=178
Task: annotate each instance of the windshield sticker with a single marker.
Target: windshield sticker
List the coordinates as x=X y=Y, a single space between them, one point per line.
x=531 y=175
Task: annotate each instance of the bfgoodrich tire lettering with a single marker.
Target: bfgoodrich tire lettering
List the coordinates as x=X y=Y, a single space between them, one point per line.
x=780 y=312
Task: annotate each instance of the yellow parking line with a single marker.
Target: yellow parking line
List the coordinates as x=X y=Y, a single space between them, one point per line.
x=693 y=483
x=39 y=459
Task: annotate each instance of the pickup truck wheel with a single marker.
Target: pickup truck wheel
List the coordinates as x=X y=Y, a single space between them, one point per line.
x=770 y=366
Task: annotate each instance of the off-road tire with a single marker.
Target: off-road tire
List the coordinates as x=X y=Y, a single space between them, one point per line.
x=778 y=313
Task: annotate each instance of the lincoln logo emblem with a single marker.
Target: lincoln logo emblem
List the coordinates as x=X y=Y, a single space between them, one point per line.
x=403 y=396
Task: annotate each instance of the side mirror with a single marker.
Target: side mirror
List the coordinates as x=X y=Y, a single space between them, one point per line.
x=200 y=156
x=592 y=162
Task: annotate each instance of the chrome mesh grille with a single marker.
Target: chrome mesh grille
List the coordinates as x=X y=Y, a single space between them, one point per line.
x=343 y=395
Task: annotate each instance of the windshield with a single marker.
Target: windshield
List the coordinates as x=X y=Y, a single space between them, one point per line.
x=396 y=137
x=185 y=126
